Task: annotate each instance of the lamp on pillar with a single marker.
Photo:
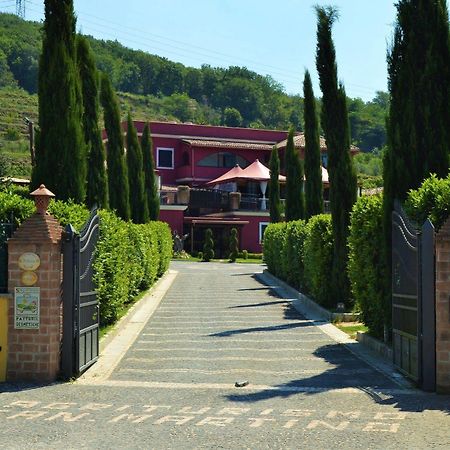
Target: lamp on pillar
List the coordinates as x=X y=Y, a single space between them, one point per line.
x=42 y=197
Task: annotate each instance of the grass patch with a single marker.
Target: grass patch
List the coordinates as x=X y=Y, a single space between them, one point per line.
x=351 y=328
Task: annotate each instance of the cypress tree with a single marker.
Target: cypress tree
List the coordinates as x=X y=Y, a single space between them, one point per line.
x=418 y=136
x=119 y=198
x=151 y=189
x=313 y=166
x=208 y=246
x=295 y=205
x=419 y=112
x=97 y=183
x=138 y=201
x=340 y=167
x=274 y=186
x=234 y=245
x=61 y=151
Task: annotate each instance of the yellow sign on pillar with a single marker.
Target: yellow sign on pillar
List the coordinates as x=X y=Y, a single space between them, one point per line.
x=3 y=336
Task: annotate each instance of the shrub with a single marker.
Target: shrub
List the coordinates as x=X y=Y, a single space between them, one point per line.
x=234 y=245
x=274 y=238
x=366 y=262
x=318 y=257
x=208 y=246
x=431 y=200
x=129 y=257
x=165 y=244
x=69 y=212
x=244 y=254
x=293 y=254
x=14 y=207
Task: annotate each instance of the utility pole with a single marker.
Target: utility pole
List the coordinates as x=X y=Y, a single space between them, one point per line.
x=20 y=8
x=30 y=124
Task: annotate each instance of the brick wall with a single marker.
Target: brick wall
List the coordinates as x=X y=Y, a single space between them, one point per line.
x=34 y=355
x=443 y=309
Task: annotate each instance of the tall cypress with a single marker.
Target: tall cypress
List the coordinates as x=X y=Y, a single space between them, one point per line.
x=61 y=151
x=151 y=188
x=138 y=201
x=97 y=183
x=418 y=135
x=313 y=166
x=419 y=112
x=274 y=186
x=340 y=167
x=294 y=181
x=119 y=192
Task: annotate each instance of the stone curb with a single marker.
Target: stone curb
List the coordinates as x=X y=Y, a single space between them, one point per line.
x=314 y=312
x=114 y=345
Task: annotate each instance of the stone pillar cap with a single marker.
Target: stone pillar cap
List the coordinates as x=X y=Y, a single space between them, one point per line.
x=42 y=191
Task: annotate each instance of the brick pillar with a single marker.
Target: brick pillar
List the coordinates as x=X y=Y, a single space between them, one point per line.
x=443 y=309
x=34 y=354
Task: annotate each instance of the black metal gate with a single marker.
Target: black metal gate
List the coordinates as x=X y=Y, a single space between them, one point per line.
x=413 y=307
x=6 y=230
x=80 y=305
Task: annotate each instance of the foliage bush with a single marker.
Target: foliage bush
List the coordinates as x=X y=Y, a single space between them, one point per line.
x=273 y=244
x=318 y=258
x=14 y=207
x=129 y=257
x=294 y=253
x=208 y=246
x=431 y=200
x=366 y=262
x=234 y=245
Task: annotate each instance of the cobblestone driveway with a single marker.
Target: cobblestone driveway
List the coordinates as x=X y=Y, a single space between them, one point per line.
x=175 y=386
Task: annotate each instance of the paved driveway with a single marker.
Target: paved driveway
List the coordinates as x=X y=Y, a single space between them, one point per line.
x=175 y=386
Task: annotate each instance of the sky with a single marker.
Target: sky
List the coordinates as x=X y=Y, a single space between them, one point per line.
x=270 y=37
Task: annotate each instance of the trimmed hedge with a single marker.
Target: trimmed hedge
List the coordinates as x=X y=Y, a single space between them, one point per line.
x=129 y=257
x=296 y=233
x=300 y=253
x=273 y=244
x=431 y=200
x=318 y=259
x=366 y=266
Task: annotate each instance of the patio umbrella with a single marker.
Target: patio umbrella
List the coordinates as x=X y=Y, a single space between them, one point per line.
x=231 y=175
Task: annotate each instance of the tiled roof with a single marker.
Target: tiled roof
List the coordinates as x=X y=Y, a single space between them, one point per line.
x=228 y=144
x=299 y=142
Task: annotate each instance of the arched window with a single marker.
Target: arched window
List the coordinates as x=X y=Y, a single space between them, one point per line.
x=223 y=159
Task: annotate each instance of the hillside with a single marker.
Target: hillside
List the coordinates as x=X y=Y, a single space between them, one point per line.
x=152 y=87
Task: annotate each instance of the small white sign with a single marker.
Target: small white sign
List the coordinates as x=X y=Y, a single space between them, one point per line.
x=26 y=308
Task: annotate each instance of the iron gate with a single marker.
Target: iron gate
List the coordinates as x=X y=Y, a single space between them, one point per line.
x=413 y=323
x=80 y=305
x=6 y=230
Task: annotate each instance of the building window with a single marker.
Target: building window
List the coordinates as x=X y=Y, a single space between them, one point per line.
x=223 y=160
x=262 y=228
x=164 y=158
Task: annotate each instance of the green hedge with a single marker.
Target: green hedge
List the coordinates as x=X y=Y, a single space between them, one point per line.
x=431 y=200
x=129 y=257
x=318 y=259
x=366 y=267
x=273 y=244
x=300 y=253
x=293 y=251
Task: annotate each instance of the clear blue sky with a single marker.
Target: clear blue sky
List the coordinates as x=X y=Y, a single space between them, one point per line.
x=275 y=37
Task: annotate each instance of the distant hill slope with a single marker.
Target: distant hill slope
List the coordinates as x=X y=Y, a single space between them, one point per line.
x=157 y=88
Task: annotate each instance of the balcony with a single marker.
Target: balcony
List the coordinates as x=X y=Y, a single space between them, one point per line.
x=204 y=201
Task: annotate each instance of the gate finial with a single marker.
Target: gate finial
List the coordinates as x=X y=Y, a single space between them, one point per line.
x=42 y=198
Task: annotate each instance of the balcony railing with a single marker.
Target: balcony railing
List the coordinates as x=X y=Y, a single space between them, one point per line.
x=216 y=200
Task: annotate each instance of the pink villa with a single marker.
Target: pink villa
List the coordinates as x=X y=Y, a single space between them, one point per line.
x=216 y=177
